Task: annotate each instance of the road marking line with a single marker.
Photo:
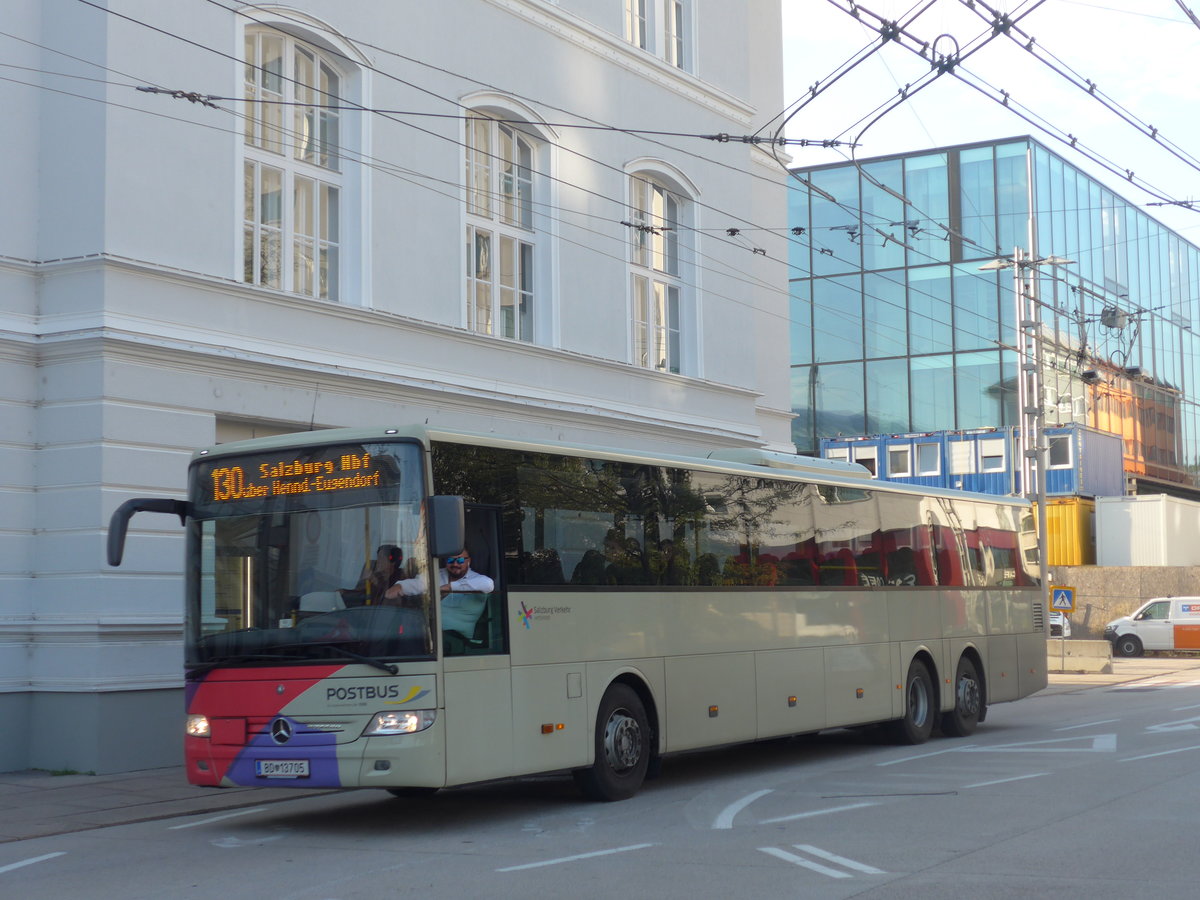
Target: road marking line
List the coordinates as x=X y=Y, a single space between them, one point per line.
x=31 y=861
x=1163 y=753
x=240 y=812
x=894 y=762
x=807 y=863
x=1006 y=780
x=1088 y=724
x=563 y=859
x=1101 y=743
x=840 y=860
x=725 y=819
x=816 y=812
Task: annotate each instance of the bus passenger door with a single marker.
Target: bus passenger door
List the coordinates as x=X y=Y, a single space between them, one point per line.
x=476 y=685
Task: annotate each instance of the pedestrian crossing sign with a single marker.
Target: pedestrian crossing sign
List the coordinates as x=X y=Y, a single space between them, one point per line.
x=1062 y=599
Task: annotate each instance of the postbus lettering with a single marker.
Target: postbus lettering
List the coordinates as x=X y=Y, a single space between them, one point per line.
x=363 y=692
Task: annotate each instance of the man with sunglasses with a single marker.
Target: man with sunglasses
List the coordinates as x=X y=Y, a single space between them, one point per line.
x=461 y=612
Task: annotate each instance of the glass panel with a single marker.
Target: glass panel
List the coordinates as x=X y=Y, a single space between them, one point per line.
x=329 y=119
x=479 y=167
x=639 y=192
x=525 y=183
x=976 y=309
x=1012 y=196
x=837 y=318
x=836 y=230
x=979 y=391
x=270 y=213
x=660 y=326
x=839 y=399
x=508 y=175
x=885 y=314
x=304 y=116
x=800 y=322
x=675 y=33
x=929 y=310
x=800 y=239
x=887 y=396
x=883 y=213
x=977 y=199
x=271 y=82
x=304 y=227
x=673 y=361
x=641 y=316
x=481 y=315
x=932 y=380
x=803 y=391
x=926 y=186
x=526 y=314
x=507 y=283
x=250 y=220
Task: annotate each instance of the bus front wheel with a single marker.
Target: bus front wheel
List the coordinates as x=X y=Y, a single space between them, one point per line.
x=622 y=747
x=917 y=723
x=968 y=701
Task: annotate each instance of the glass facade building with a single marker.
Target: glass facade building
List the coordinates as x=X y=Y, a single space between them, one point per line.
x=897 y=329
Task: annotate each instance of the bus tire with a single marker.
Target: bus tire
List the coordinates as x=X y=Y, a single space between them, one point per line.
x=919 y=706
x=968 y=701
x=1128 y=645
x=622 y=747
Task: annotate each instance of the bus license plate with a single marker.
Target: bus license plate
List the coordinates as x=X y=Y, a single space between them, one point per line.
x=281 y=768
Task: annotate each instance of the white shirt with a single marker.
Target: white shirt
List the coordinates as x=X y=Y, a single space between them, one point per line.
x=464 y=604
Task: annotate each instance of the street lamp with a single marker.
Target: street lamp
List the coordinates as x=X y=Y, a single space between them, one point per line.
x=1029 y=388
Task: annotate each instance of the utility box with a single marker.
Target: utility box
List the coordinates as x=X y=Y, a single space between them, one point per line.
x=1154 y=530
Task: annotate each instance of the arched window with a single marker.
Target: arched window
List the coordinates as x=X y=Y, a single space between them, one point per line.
x=502 y=241
x=656 y=265
x=292 y=170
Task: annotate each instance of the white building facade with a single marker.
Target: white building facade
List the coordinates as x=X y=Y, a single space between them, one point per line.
x=351 y=213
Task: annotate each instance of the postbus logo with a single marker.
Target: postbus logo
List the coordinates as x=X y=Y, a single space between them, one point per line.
x=526 y=615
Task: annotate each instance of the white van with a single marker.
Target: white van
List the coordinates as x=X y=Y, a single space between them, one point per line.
x=1164 y=623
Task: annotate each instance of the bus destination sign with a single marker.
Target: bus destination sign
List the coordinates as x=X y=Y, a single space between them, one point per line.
x=306 y=476
x=292 y=476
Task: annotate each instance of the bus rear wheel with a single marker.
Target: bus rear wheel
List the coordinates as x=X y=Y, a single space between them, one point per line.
x=917 y=723
x=622 y=747
x=968 y=701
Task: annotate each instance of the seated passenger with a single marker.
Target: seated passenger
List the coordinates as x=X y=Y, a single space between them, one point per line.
x=459 y=613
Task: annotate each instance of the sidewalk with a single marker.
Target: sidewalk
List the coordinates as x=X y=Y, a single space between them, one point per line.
x=38 y=804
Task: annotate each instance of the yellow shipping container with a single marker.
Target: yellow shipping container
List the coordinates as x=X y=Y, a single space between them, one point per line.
x=1070 y=531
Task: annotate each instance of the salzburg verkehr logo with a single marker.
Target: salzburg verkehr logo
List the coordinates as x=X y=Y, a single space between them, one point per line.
x=526 y=615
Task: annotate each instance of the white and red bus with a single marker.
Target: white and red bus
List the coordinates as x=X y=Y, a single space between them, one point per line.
x=642 y=605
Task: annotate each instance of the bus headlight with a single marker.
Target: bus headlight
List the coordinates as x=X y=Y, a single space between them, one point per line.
x=197 y=726
x=404 y=721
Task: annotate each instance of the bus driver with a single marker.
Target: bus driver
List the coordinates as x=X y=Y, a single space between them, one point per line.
x=461 y=612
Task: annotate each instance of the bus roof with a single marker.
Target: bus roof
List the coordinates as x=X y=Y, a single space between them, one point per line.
x=742 y=460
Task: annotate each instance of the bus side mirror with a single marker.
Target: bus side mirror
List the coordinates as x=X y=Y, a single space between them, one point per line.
x=447 y=525
x=119 y=522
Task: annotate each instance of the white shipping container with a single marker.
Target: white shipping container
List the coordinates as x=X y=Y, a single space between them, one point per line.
x=1157 y=530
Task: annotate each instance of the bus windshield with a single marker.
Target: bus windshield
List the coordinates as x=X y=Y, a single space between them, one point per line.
x=311 y=555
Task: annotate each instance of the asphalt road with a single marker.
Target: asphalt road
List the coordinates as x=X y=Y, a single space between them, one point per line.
x=1085 y=792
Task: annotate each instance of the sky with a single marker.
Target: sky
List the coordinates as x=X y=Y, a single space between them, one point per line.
x=1143 y=54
